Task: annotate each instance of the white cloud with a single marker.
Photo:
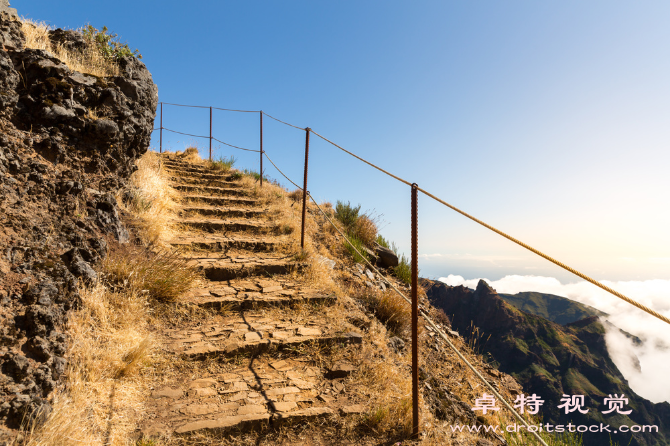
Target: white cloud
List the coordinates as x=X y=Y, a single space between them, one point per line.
x=654 y=354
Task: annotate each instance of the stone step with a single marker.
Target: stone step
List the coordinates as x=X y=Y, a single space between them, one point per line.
x=255 y=293
x=220 y=201
x=221 y=211
x=180 y=165
x=248 y=333
x=233 y=266
x=225 y=226
x=189 y=173
x=213 y=191
x=198 y=180
x=219 y=243
x=265 y=394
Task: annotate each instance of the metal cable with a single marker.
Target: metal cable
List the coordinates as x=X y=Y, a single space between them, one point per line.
x=422 y=312
x=279 y=120
x=435 y=327
x=518 y=242
x=552 y=260
x=282 y=173
x=187 y=134
x=366 y=162
x=528 y=247
x=182 y=105
x=232 y=110
x=235 y=147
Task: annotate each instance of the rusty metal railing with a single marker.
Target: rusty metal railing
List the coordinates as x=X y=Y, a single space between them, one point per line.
x=414 y=240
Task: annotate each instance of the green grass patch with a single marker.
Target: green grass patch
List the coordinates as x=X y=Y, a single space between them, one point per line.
x=347 y=214
x=222 y=164
x=358 y=244
x=404 y=270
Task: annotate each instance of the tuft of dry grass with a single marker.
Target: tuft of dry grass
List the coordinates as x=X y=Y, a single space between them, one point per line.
x=366 y=230
x=190 y=155
x=382 y=373
x=89 y=61
x=164 y=276
x=388 y=307
x=150 y=200
x=296 y=195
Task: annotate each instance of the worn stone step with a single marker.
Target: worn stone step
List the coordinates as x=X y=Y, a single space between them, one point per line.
x=255 y=293
x=221 y=211
x=224 y=243
x=264 y=394
x=248 y=333
x=225 y=226
x=190 y=173
x=203 y=168
x=220 y=200
x=198 y=180
x=233 y=266
x=213 y=191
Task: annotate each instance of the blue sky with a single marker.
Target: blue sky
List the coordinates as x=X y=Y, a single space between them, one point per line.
x=548 y=120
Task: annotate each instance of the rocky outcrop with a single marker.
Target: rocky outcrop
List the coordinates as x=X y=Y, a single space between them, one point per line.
x=68 y=141
x=551 y=360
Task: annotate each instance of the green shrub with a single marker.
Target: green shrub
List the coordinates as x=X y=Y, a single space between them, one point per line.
x=257 y=176
x=108 y=44
x=381 y=241
x=347 y=214
x=358 y=244
x=222 y=164
x=404 y=270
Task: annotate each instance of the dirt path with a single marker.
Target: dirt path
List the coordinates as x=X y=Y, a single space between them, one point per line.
x=238 y=362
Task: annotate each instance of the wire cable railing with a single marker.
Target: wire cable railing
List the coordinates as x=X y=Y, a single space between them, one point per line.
x=415 y=189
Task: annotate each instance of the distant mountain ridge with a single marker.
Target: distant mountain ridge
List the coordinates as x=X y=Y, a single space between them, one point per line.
x=554 y=308
x=552 y=360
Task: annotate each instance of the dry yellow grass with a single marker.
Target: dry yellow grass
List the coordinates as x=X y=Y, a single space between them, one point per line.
x=383 y=373
x=89 y=61
x=190 y=155
x=163 y=276
x=152 y=201
x=366 y=230
x=109 y=338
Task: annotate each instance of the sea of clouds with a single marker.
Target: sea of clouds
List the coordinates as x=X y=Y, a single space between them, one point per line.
x=651 y=381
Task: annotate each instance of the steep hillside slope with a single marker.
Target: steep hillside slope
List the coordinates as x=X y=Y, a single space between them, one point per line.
x=68 y=141
x=552 y=360
x=554 y=308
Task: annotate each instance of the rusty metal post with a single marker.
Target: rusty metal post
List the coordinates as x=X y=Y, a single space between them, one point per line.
x=304 y=189
x=161 y=143
x=261 y=173
x=210 y=133
x=415 y=313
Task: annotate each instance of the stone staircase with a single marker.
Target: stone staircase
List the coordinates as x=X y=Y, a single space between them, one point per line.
x=240 y=366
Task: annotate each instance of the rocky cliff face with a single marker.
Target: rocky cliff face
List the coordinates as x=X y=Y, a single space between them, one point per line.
x=67 y=144
x=551 y=360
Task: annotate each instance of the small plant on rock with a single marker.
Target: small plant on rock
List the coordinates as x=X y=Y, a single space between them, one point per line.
x=108 y=44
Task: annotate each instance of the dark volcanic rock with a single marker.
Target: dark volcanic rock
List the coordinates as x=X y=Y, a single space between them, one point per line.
x=551 y=360
x=68 y=142
x=387 y=257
